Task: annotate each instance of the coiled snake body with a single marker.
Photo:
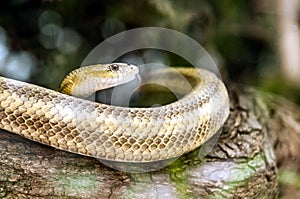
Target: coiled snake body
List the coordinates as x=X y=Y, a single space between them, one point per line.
x=115 y=133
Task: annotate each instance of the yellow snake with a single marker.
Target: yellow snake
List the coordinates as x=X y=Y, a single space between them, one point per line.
x=109 y=132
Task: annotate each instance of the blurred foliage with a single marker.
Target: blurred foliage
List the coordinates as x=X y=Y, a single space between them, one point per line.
x=240 y=35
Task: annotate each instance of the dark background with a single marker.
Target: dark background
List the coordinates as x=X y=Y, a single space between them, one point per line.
x=41 y=41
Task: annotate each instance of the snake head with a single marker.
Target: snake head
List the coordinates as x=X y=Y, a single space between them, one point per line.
x=85 y=81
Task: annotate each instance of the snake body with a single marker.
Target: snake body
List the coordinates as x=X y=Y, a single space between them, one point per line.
x=116 y=133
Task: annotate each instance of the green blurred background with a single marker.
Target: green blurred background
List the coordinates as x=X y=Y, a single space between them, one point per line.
x=41 y=41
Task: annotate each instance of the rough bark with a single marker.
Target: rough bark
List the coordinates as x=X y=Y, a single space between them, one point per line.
x=241 y=165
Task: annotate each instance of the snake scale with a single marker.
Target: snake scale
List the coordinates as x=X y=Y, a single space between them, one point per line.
x=115 y=133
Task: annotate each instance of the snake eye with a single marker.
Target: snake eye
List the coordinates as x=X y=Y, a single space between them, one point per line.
x=114 y=67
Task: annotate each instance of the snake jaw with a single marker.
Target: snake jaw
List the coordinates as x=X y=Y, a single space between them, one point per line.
x=85 y=81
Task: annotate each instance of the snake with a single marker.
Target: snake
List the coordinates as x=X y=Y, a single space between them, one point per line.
x=67 y=121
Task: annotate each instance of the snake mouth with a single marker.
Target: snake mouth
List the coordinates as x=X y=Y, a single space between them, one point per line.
x=125 y=81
